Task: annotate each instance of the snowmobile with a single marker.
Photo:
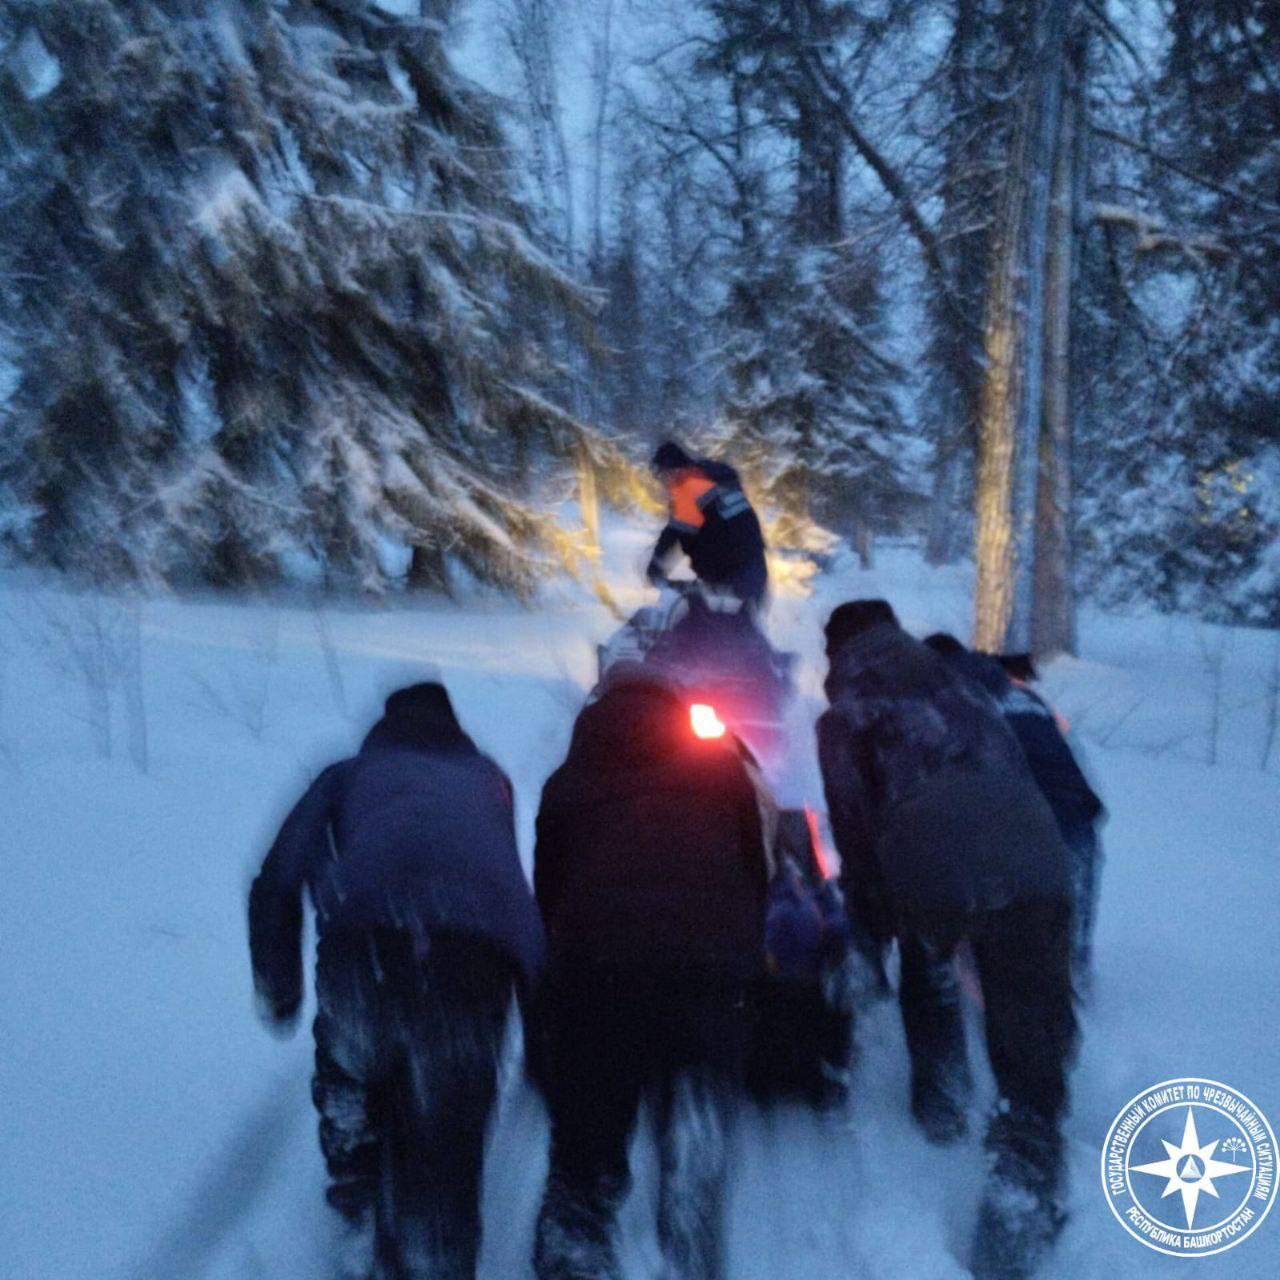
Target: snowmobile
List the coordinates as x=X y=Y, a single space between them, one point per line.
x=710 y=646
x=738 y=687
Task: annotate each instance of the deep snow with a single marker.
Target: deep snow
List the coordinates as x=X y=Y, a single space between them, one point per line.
x=153 y=1130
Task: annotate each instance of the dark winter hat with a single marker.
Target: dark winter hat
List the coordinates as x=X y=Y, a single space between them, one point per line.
x=943 y=642
x=853 y=618
x=418 y=716
x=427 y=698
x=1018 y=666
x=669 y=456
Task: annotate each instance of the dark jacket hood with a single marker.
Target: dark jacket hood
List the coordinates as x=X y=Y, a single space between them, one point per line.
x=885 y=643
x=982 y=668
x=419 y=717
x=631 y=721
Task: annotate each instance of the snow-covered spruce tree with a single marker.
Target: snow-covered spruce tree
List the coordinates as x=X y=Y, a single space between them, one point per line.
x=265 y=280
x=810 y=407
x=1182 y=452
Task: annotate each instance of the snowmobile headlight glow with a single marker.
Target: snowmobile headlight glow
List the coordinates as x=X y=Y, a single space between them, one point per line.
x=705 y=722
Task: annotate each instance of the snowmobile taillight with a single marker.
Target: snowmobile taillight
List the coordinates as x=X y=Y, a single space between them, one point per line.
x=815 y=839
x=705 y=722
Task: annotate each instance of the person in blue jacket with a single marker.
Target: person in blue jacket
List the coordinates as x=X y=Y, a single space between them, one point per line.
x=425 y=924
x=1076 y=806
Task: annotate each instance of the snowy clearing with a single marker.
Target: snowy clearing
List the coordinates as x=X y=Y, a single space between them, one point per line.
x=154 y=1130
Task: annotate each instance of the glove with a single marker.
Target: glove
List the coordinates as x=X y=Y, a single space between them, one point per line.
x=281 y=1019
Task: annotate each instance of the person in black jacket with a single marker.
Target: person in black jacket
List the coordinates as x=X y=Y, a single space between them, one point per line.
x=712 y=522
x=650 y=873
x=424 y=923
x=1076 y=806
x=944 y=837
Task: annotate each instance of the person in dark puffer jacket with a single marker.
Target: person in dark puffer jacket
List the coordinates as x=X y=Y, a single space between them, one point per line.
x=944 y=837
x=1075 y=804
x=425 y=923
x=650 y=873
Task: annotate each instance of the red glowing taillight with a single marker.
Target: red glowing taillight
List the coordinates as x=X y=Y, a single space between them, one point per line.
x=704 y=721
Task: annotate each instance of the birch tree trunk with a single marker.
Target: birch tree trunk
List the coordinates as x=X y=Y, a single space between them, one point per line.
x=1013 y=341
x=1053 y=610
x=530 y=35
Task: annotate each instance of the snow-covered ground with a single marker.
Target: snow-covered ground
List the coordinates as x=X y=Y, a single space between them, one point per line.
x=153 y=1131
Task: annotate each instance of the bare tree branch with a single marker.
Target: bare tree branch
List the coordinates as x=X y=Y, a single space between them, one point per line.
x=1115 y=34
x=889 y=177
x=1154 y=234
x=1136 y=144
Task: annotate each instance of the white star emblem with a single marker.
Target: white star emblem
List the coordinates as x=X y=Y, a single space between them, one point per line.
x=1190 y=1168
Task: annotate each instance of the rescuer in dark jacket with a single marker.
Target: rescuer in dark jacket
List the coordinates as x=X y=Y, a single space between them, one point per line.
x=1075 y=804
x=424 y=924
x=944 y=837
x=650 y=873
x=713 y=524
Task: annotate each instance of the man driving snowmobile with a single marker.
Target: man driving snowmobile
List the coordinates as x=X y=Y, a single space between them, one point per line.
x=712 y=522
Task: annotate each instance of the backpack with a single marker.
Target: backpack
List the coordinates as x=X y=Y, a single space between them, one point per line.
x=806 y=931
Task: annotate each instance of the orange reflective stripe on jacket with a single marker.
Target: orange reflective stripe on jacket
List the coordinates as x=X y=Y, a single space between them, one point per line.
x=686 y=492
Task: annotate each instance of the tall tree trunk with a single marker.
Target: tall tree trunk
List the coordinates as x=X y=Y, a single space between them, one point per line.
x=864 y=542
x=957 y=299
x=1053 y=610
x=1009 y=420
x=602 y=58
x=943 y=539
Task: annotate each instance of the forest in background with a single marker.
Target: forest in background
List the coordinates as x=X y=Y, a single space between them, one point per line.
x=360 y=292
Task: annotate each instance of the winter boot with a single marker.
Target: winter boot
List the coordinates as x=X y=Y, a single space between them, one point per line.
x=573 y=1239
x=1016 y=1230
x=938 y=1098
x=1021 y=1216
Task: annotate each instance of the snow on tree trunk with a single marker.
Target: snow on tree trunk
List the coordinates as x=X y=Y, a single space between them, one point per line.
x=1053 y=611
x=1009 y=421
x=972 y=85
